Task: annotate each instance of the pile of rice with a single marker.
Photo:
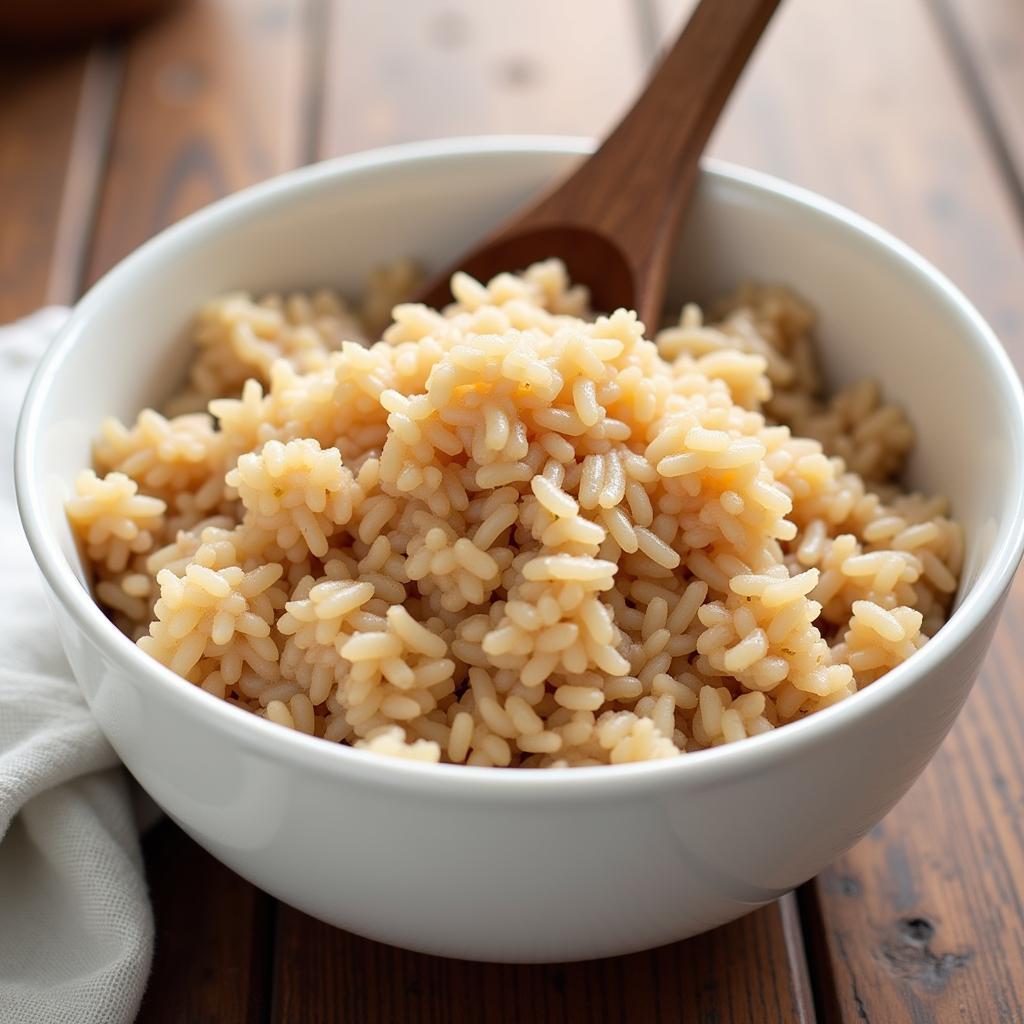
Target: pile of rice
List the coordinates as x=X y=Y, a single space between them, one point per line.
x=511 y=533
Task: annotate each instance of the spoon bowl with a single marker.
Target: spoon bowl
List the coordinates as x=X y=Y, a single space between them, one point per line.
x=588 y=255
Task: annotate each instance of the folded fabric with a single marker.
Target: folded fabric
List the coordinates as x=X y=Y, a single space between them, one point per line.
x=76 y=929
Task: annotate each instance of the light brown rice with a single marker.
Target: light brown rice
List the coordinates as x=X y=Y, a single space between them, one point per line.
x=514 y=534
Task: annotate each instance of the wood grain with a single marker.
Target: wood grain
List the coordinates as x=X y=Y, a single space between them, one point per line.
x=214 y=98
x=213 y=937
x=398 y=71
x=736 y=975
x=923 y=920
x=49 y=167
x=887 y=130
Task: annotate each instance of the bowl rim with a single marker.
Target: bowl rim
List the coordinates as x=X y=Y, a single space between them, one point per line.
x=709 y=766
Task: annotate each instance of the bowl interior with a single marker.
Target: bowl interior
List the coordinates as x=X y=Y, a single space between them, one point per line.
x=883 y=312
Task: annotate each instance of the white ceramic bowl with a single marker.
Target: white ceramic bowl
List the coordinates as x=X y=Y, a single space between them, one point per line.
x=506 y=865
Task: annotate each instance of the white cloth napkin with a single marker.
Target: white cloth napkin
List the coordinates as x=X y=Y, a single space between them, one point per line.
x=76 y=929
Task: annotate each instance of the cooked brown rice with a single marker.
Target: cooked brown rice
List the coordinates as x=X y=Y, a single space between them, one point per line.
x=514 y=534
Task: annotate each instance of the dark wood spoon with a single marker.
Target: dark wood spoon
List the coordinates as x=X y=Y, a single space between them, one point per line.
x=615 y=219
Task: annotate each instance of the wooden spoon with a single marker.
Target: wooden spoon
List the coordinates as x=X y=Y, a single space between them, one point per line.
x=614 y=220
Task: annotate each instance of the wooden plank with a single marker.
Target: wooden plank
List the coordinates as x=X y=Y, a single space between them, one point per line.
x=886 y=130
x=398 y=71
x=987 y=39
x=212 y=930
x=924 y=919
x=43 y=159
x=214 y=98
x=36 y=127
x=734 y=975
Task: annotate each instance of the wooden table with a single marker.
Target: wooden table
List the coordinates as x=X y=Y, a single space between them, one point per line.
x=910 y=111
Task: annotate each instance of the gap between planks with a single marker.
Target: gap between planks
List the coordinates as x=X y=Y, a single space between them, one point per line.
x=319 y=18
x=87 y=162
x=951 y=25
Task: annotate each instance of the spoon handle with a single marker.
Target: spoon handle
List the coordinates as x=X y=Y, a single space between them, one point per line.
x=634 y=189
